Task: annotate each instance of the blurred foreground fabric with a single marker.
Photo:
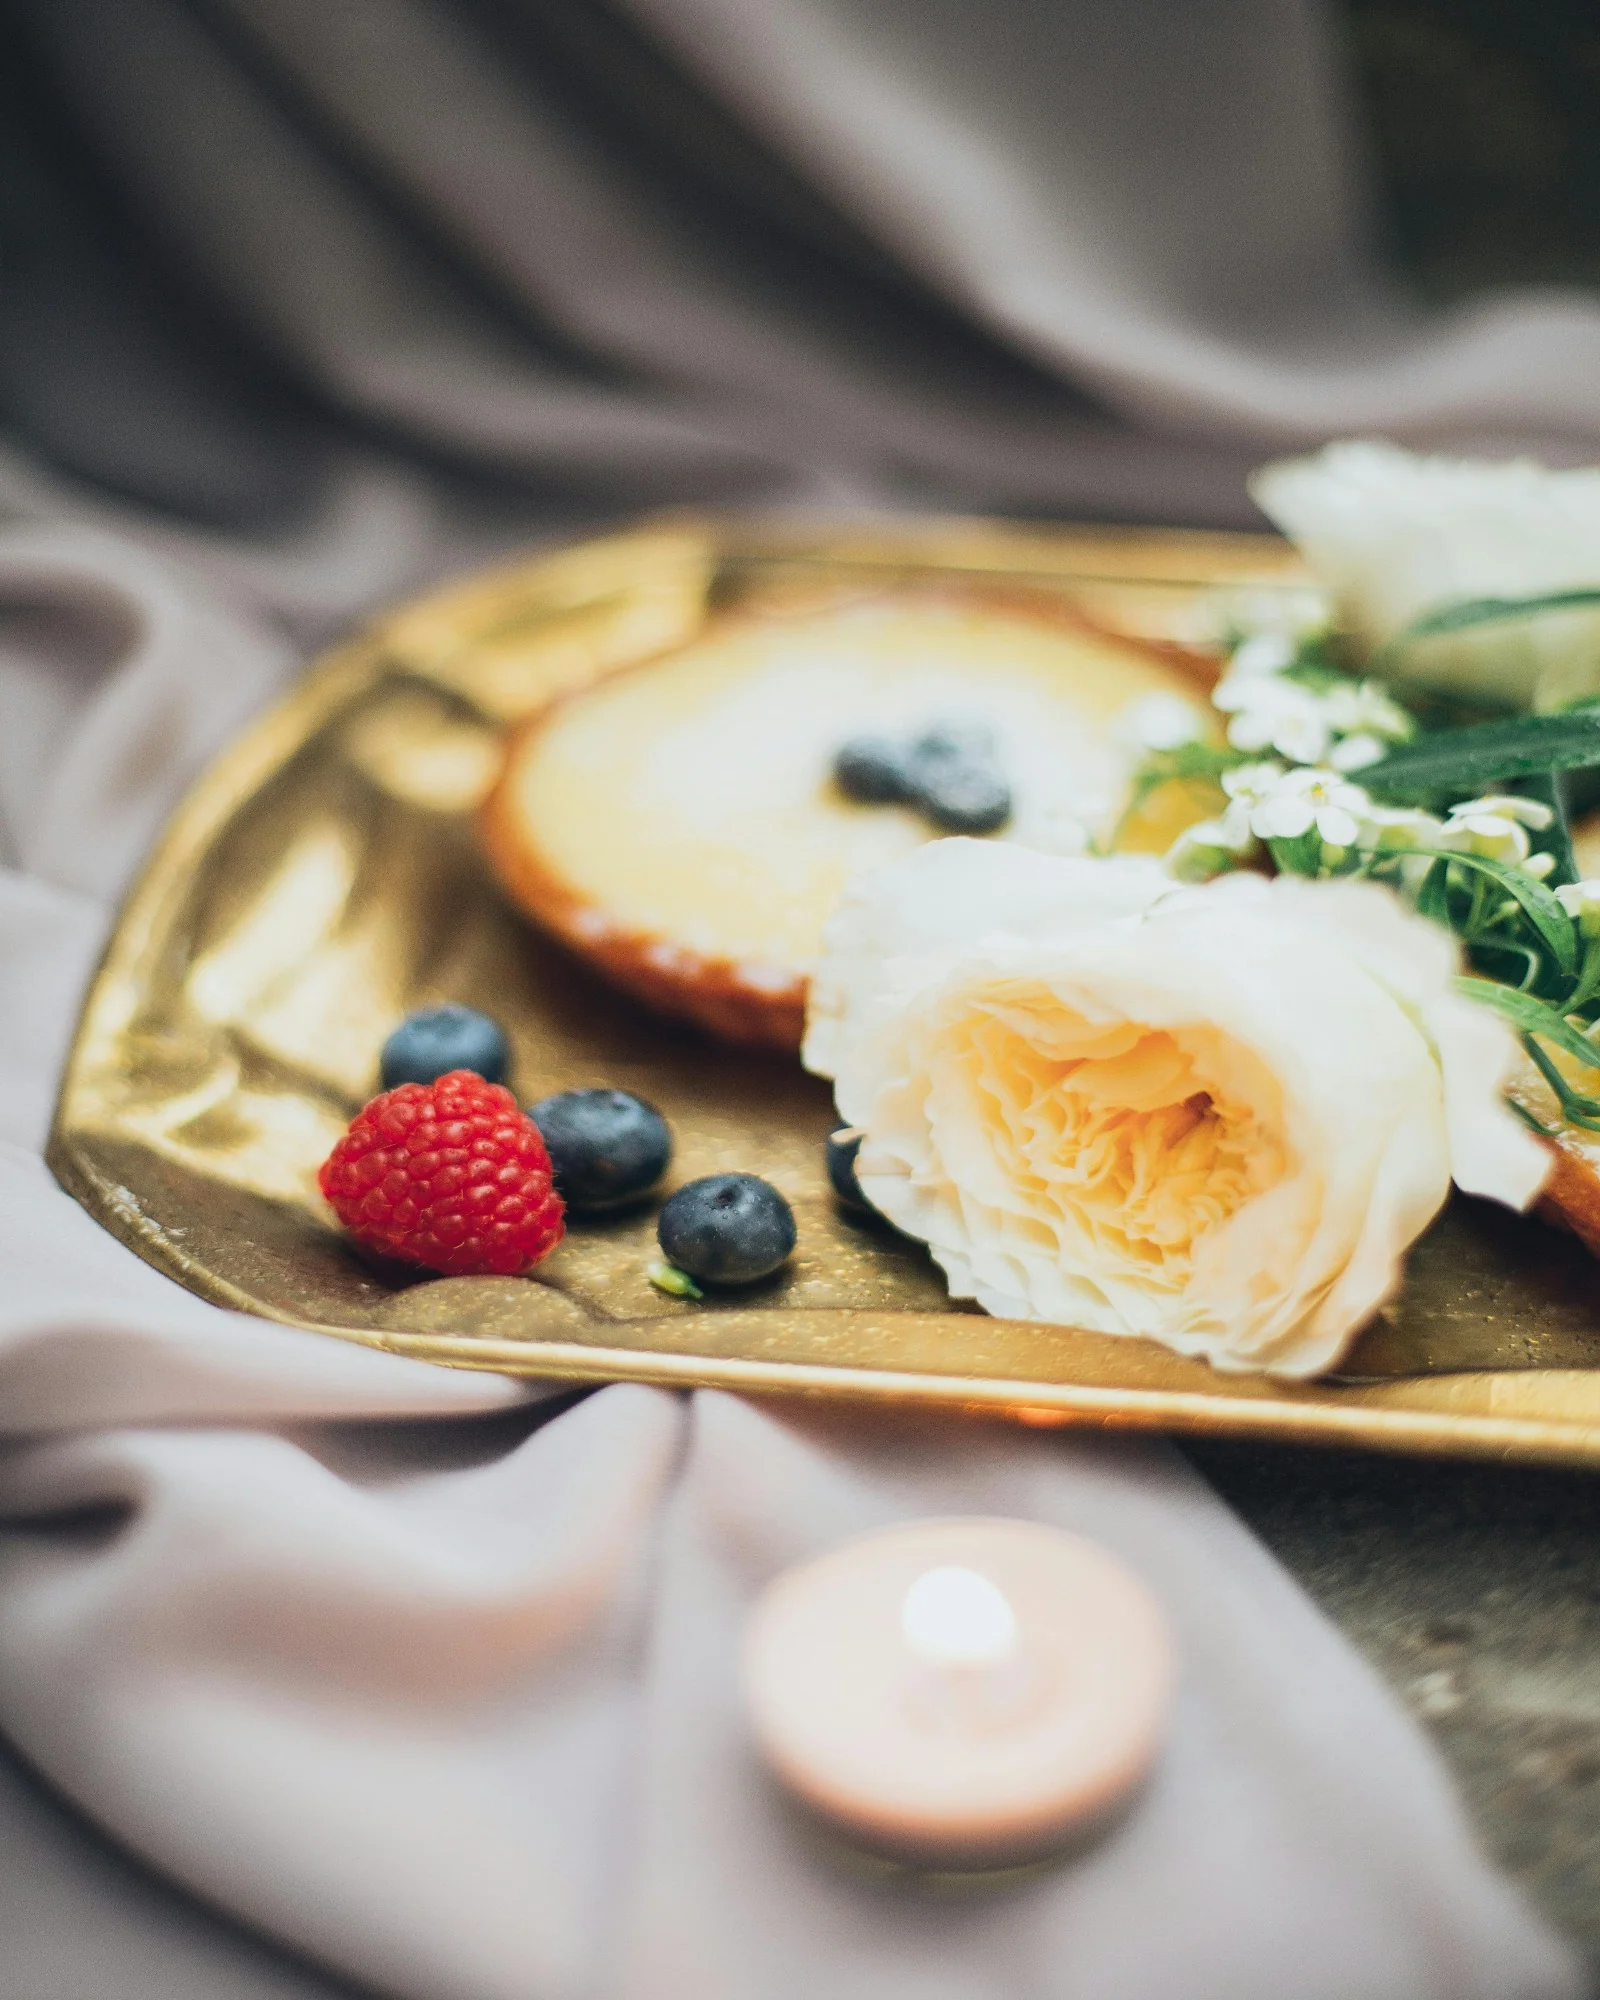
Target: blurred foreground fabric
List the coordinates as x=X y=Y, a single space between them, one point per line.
x=420 y=1678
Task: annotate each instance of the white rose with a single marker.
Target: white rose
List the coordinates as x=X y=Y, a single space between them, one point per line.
x=1392 y=535
x=1214 y=1117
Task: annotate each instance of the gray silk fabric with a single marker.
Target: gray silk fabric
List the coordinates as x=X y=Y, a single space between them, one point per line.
x=329 y=1673
x=1093 y=257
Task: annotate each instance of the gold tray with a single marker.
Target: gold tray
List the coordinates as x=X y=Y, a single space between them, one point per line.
x=322 y=878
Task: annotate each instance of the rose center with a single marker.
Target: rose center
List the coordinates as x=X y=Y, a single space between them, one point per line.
x=1114 y=1132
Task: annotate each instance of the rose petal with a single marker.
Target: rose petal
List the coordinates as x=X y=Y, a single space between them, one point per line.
x=891 y=921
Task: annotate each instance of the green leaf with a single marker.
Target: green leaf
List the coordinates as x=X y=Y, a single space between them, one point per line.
x=1576 y=1109
x=1433 y=898
x=1556 y=838
x=1464 y=762
x=1191 y=760
x=1464 y=613
x=1532 y=964
x=668 y=1278
x=1539 y=1022
x=1544 y=912
x=1521 y=1111
x=1317 y=675
x=1588 y=979
x=1533 y=1017
x=1300 y=856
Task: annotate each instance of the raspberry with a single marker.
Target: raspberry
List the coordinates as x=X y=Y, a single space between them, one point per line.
x=449 y=1175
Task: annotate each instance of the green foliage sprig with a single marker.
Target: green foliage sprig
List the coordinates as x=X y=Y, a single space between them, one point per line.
x=1530 y=961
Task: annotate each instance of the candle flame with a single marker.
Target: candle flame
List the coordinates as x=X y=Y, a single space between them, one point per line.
x=954 y=1617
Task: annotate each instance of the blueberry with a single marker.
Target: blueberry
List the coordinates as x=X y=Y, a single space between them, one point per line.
x=607 y=1147
x=727 y=1229
x=965 y=798
x=841 y=1156
x=436 y=1039
x=872 y=770
x=959 y=741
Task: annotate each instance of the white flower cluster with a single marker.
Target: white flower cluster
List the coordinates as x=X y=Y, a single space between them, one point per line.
x=1344 y=727
x=1317 y=739
x=1268 y=801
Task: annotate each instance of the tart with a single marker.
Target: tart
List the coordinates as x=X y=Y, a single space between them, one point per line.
x=679 y=825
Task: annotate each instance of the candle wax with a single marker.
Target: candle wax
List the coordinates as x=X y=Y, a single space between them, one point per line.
x=960 y=1693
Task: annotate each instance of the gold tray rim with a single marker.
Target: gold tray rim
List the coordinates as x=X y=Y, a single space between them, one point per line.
x=1547 y=1416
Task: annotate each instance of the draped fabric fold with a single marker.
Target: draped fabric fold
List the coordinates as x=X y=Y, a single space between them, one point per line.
x=472 y=1729
x=1094 y=258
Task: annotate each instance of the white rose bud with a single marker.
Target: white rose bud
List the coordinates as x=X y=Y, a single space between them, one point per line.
x=1214 y=1117
x=1392 y=535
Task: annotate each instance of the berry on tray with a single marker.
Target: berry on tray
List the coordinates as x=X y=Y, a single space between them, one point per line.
x=873 y=770
x=956 y=781
x=727 y=1229
x=965 y=798
x=450 y=1175
x=967 y=740
x=607 y=1147
x=435 y=1040
x=843 y=1144
x=949 y=774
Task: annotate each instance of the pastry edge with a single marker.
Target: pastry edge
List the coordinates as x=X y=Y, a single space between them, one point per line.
x=738 y=1004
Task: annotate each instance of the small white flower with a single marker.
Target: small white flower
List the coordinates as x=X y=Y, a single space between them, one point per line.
x=1262 y=653
x=1399 y=828
x=1253 y=668
x=1320 y=799
x=1581 y=901
x=1489 y=835
x=1355 y=753
x=1277 y=715
x=1209 y=848
x=1407 y=831
x=1528 y=812
x=1494 y=828
x=1235 y=691
x=1366 y=708
x=1298 y=801
x=1538 y=866
x=1159 y=722
x=1247 y=786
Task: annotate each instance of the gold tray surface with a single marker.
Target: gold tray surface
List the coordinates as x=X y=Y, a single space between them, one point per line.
x=322 y=878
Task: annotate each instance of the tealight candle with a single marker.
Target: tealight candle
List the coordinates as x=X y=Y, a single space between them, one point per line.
x=962 y=1693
